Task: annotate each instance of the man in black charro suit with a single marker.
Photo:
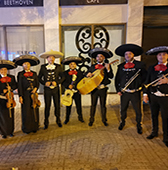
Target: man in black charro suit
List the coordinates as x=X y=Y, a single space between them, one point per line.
x=125 y=72
x=100 y=54
x=50 y=77
x=157 y=93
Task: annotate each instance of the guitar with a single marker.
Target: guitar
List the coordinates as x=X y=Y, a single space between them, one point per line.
x=88 y=84
x=67 y=98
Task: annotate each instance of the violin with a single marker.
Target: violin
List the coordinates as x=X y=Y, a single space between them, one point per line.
x=35 y=101
x=10 y=97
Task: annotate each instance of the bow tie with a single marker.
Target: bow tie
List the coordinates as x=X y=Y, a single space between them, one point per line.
x=129 y=65
x=98 y=66
x=160 y=67
x=72 y=72
x=50 y=67
x=28 y=74
x=5 y=79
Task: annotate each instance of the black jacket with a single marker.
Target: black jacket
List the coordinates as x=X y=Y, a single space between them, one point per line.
x=123 y=75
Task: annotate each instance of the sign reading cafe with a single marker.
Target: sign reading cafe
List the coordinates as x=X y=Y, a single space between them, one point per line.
x=20 y=3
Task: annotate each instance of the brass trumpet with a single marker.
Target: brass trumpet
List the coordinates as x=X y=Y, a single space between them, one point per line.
x=155 y=82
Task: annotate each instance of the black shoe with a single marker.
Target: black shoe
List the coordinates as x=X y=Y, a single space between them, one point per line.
x=11 y=135
x=139 y=129
x=122 y=124
x=59 y=124
x=45 y=127
x=34 y=131
x=166 y=143
x=81 y=120
x=151 y=136
x=105 y=124
x=90 y=123
x=4 y=136
x=66 y=121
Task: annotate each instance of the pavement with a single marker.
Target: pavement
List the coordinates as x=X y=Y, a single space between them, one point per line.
x=76 y=146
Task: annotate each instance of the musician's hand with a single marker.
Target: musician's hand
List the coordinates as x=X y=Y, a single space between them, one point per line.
x=34 y=90
x=21 y=99
x=54 y=83
x=107 y=66
x=119 y=93
x=145 y=99
x=47 y=83
x=5 y=91
x=70 y=86
x=163 y=80
x=89 y=74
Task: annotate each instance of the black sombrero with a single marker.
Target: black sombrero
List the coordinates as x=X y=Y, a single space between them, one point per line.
x=56 y=54
x=156 y=50
x=94 y=52
x=70 y=59
x=7 y=64
x=33 y=60
x=135 y=49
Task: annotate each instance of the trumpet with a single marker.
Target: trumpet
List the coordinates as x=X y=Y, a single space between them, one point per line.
x=131 y=80
x=155 y=82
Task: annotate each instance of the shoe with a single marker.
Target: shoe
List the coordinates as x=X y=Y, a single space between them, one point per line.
x=139 y=128
x=34 y=131
x=151 y=136
x=122 y=124
x=166 y=143
x=81 y=120
x=45 y=127
x=59 y=124
x=105 y=124
x=11 y=135
x=66 y=121
x=90 y=123
x=4 y=136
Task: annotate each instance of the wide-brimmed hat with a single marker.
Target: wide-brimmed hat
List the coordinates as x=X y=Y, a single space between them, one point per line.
x=156 y=50
x=56 y=54
x=94 y=52
x=135 y=49
x=70 y=59
x=7 y=64
x=33 y=60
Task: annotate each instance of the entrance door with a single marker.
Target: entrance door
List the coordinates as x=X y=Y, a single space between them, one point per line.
x=79 y=40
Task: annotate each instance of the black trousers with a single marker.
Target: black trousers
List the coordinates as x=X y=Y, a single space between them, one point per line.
x=135 y=99
x=77 y=98
x=48 y=95
x=159 y=104
x=102 y=94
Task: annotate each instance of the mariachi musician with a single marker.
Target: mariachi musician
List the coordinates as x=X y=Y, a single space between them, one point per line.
x=157 y=91
x=28 y=85
x=100 y=54
x=50 y=76
x=72 y=77
x=132 y=71
x=7 y=103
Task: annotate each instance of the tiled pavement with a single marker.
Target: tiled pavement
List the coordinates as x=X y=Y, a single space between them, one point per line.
x=76 y=146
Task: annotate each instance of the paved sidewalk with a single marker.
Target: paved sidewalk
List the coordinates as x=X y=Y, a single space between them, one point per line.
x=76 y=146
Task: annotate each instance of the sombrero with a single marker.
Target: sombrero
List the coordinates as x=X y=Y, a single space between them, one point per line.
x=7 y=64
x=56 y=54
x=156 y=50
x=33 y=60
x=70 y=59
x=94 y=52
x=135 y=49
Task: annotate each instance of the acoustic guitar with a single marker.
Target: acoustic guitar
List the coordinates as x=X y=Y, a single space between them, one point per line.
x=67 y=98
x=88 y=84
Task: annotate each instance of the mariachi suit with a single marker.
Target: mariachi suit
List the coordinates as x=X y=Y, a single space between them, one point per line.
x=158 y=102
x=76 y=96
x=6 y=122
x=134 y=95
x=30 y=116
x=47 y=75
x=102 y=93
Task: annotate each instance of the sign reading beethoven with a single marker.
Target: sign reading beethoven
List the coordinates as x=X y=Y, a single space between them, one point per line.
x=20 y=3
x=91 y=2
